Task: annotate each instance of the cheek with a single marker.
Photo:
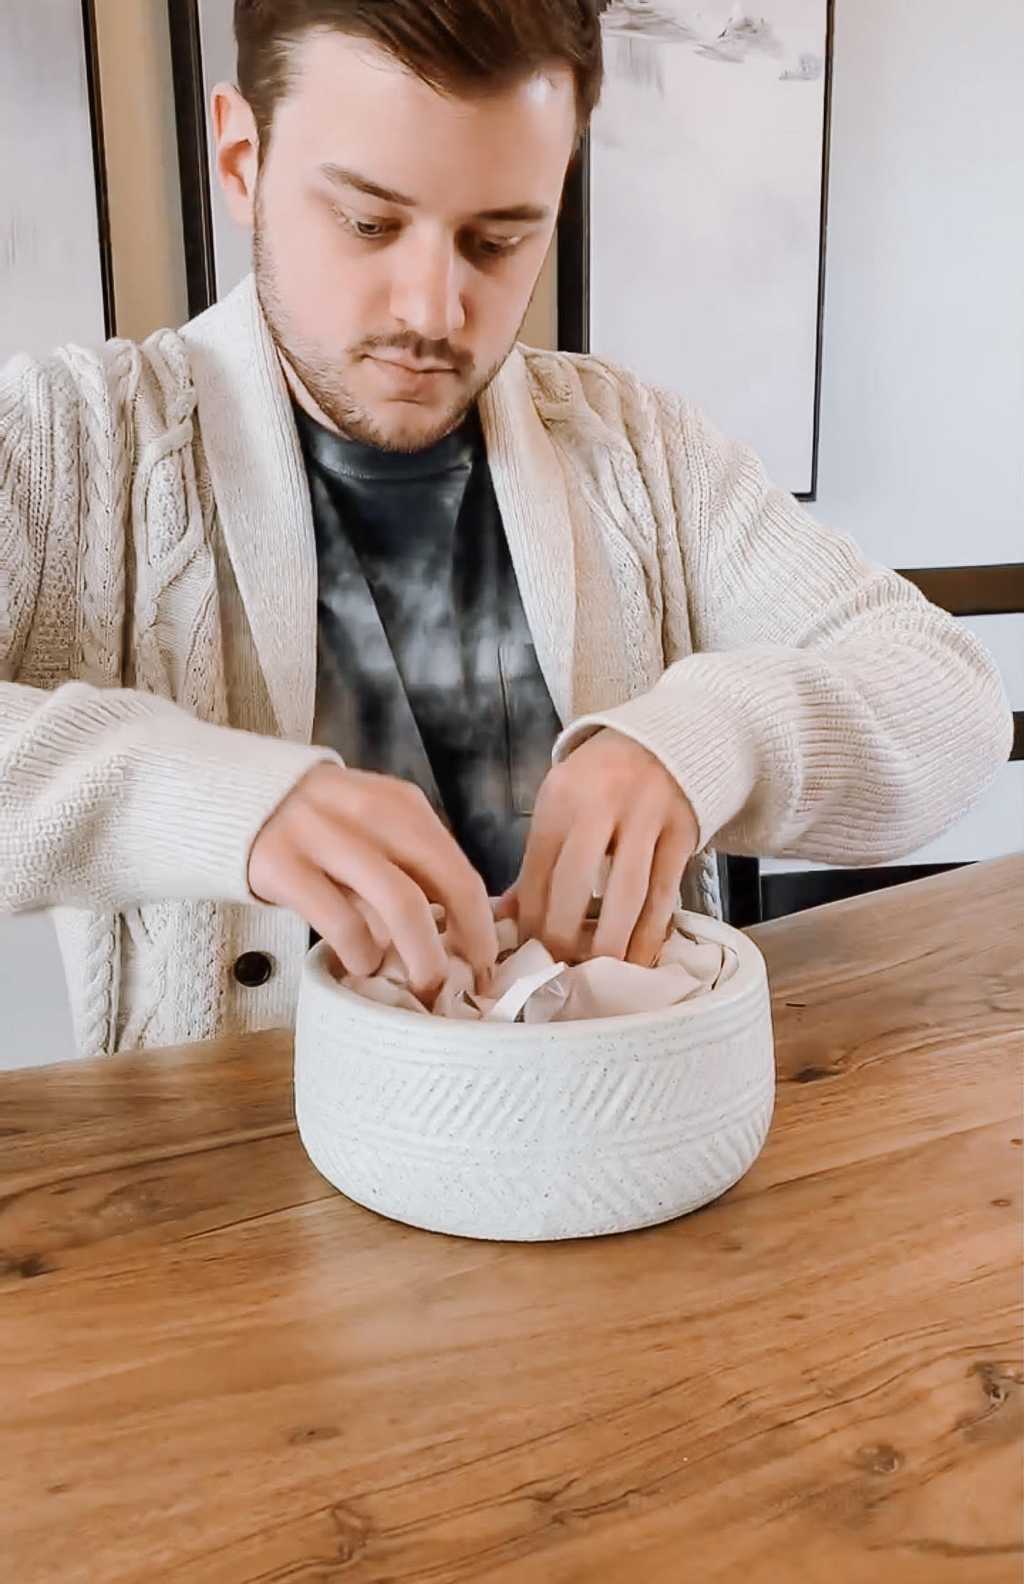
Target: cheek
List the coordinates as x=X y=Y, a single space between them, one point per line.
x=319 y=284
x=500 y=301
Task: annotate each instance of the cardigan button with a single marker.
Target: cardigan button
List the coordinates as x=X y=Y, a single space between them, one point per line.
x=253 y=969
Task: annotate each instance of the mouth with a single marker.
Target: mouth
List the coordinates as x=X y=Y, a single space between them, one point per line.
x=414 y=369
x=402 y=381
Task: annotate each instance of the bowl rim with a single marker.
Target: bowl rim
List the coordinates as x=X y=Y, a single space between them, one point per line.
x=752 y=971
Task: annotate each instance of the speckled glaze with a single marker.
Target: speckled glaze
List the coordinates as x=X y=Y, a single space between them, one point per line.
x=523 y=1134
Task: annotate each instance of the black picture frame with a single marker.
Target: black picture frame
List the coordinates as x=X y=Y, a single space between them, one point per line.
x=193 y=161
x=574 y=254
x=99 y=165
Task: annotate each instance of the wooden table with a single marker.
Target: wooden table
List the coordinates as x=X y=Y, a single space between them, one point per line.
x=215 y=1370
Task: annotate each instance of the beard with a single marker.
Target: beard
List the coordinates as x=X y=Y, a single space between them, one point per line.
x=323 y=377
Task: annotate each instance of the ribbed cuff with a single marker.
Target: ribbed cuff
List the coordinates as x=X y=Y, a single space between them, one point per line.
x=204 y=797
x=697 y=731
x=150 y=804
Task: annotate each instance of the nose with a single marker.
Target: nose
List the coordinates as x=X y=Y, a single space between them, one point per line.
x=426 y=289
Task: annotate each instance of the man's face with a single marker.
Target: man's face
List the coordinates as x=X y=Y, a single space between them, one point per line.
x=399 y=233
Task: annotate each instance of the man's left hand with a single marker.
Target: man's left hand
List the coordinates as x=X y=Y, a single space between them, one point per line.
x=610 y=798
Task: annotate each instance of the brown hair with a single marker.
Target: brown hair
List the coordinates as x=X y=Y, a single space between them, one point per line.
x=454 y=45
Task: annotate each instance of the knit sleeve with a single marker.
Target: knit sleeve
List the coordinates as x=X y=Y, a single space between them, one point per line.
x=108 y=797
x=111 y=798
x=26 y=484
x=829 y=712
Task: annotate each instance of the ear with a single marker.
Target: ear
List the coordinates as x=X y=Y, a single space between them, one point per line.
x=238 y=149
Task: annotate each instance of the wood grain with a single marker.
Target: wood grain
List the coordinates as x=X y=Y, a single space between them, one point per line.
x=215 y=1370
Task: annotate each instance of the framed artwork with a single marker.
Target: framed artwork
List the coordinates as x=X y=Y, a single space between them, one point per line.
x=217 y=252
x=56 y=271
x=692 y=247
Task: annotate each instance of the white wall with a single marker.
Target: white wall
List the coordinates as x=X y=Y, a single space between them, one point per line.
x=50 y=282
x=923 y=401
x=35 y=1019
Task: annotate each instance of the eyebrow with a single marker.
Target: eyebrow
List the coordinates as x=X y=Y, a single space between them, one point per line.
x=339 y=176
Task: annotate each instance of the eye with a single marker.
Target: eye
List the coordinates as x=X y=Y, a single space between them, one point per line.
x=496 y=247
x=370 y=230
x=364 y=230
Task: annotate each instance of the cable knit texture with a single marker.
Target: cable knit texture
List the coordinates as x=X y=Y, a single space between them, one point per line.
x=158 y=650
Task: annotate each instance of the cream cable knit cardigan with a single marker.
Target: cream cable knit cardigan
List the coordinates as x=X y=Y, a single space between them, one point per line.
x=158 y=594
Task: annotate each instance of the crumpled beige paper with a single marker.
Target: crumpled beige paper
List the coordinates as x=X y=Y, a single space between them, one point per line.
x=529 y=986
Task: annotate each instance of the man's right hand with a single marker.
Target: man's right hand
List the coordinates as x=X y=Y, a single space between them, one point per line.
x=361 y=857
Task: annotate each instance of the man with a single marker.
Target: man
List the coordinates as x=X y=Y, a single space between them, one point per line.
x=294 y=603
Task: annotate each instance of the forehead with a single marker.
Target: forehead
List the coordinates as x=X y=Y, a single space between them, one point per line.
x=352 y=104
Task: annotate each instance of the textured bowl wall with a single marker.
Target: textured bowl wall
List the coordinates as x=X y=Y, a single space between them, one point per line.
x=521 y=1133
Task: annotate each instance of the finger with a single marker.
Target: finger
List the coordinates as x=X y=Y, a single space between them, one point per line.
x=349 y=860
x=507 y=906
x=372 y=919
x=414 y=840
x=335 y=918
x=432 y=857
x=575 y=877
x=672 y=854
x=531 y=889
x=471 y=924
x=627 y=890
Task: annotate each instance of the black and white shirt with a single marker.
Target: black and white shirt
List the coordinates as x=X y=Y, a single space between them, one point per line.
x=427 y=669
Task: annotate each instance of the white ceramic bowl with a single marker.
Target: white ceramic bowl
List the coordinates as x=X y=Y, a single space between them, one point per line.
x=525 y=1133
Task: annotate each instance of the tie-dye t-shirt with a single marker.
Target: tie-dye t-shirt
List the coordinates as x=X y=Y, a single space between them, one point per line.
x=427 y=670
